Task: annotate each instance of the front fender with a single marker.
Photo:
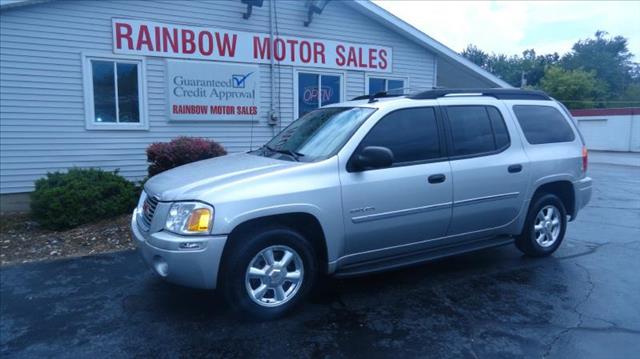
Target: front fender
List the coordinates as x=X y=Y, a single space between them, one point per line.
x=331 y=223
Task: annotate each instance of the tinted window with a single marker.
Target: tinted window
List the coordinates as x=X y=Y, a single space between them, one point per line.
x=411 y=134
x=471 y=130
x=543 y=124
x=499 y=128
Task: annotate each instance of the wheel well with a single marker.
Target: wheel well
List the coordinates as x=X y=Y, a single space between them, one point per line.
x=305 y=223
x=564 y=191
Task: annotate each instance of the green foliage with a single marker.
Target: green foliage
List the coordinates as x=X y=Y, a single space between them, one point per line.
x=579 y=85
x=528 y=68
x=609 y=58
x=631 y=96
x=604 y=74
x=66 y=200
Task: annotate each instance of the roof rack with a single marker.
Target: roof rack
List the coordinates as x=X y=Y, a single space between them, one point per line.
x=501 y=94
x=372 y=97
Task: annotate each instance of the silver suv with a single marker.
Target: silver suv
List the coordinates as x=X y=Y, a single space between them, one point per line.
x=367 y=185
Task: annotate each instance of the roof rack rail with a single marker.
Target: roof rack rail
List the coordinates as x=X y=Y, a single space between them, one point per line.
x=372 y=97
x=501 y=94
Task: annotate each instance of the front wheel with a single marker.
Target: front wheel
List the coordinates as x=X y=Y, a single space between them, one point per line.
x=544 y=228
x=268 y=272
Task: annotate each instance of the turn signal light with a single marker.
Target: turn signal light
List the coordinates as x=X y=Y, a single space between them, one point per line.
x=199 y=220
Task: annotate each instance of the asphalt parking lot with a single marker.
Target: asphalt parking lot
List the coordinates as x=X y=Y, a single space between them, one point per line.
x=583 y=302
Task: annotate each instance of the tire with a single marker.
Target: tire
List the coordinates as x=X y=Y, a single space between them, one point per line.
x=540 y=237
x=246 y=267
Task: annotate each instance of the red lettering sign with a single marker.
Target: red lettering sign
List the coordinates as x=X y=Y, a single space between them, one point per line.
x=148 y=38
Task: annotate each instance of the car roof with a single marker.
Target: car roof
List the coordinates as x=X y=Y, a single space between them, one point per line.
x=430 y=97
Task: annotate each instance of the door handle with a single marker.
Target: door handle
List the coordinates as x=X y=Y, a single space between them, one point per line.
x=515 y=168
x=439 y=178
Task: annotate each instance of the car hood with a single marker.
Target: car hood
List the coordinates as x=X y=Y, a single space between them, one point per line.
x=188 y=182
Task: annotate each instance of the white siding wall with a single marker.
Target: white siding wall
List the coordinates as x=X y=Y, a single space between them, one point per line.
x=42 y=116
x=611 y=132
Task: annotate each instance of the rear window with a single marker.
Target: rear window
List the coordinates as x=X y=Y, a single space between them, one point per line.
x=543 y=124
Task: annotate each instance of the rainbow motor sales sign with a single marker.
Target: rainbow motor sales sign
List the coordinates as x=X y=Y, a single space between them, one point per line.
x=149 y=38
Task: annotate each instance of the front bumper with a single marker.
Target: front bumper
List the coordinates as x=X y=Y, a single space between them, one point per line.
x=196 y=268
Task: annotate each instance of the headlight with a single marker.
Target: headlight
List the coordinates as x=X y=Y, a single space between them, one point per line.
x=189 y=218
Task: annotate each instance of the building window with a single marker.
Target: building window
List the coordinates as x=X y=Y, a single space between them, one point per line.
x=378 y=84
x=316 y=90
x=114 y=94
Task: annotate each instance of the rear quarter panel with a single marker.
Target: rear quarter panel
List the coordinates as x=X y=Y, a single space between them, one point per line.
x=550 y=162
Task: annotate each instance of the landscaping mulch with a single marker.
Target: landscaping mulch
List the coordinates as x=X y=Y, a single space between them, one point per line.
x=22 y=240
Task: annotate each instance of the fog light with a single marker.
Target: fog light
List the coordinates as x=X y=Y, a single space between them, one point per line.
x=161 y=266
x=190 y=245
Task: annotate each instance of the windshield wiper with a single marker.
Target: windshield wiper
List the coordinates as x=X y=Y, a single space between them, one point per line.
x=295 y=155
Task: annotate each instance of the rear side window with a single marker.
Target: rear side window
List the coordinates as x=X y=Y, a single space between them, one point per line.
x=476 y=130
x=543 y=124
x=411 y=134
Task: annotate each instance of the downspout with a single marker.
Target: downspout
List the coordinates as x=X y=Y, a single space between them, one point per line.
x=273 y=118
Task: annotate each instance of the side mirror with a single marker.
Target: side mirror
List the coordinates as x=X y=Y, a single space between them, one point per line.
x=372 y=157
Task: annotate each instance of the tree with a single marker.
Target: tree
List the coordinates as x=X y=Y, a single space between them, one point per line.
x=574 y=88
x=512 y=69
x=477 y=56
x=602 y=67
x=534 y=66
x=609 y=58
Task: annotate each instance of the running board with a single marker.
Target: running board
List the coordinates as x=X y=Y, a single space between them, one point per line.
x=412 y=258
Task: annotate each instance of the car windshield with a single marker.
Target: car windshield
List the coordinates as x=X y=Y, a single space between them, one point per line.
x=318 y=134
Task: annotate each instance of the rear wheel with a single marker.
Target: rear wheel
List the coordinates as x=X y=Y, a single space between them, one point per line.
x=268 y=272
x=544 y=228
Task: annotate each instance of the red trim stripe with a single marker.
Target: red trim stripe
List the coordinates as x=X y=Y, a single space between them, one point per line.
x=606 y=112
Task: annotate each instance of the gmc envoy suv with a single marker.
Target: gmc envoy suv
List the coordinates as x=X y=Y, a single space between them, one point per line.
x=367 y=185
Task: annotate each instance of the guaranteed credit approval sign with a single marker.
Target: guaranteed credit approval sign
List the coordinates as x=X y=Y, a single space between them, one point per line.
x=149 y=38
x=200 y=90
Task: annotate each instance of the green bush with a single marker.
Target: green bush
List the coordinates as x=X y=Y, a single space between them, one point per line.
x=66 y=200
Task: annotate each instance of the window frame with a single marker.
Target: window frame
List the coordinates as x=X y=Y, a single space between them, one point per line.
x=449 y=133
x=441 y=136
x=368 y=77
x=298 y=71
x=87 y=81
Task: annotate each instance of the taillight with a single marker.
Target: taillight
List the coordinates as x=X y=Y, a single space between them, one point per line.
x=585 y=158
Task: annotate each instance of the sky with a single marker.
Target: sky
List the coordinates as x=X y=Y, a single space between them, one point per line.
x=510 y=27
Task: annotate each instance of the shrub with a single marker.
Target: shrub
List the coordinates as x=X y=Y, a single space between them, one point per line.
x=66 y=200
x=163 y=156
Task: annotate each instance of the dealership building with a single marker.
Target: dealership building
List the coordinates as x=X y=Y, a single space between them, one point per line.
x=93 y=83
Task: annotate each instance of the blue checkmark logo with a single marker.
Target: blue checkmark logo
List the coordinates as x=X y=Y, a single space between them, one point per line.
x=239 y=80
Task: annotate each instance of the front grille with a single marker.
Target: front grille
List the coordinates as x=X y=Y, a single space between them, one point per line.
x=148 y=209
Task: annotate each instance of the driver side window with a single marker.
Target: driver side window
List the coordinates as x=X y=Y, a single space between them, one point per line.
x=411 y=134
